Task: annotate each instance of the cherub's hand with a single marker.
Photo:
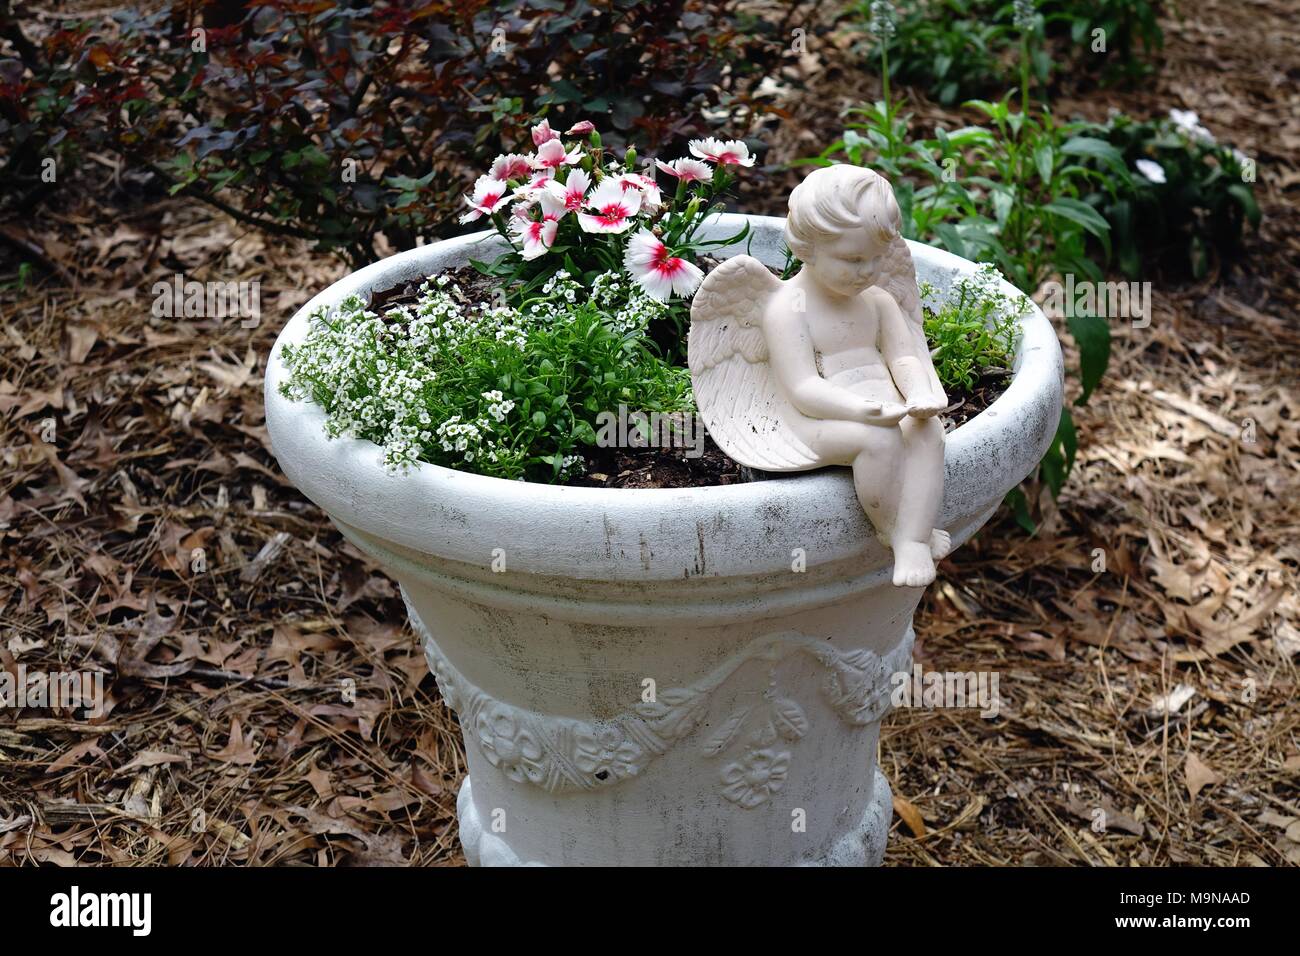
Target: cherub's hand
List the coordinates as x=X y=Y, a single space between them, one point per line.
x=884 y=413
x=927 y=406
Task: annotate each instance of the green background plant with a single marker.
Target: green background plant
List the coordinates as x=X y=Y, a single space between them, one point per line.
x=1202 y=208
x=961 y=49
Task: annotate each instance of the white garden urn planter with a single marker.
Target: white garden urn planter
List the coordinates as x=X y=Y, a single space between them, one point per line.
x=659 y=677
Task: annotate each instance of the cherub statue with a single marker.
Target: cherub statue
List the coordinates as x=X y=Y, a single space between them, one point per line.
x=831 y=367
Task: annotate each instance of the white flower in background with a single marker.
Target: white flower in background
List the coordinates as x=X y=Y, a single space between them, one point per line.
x=571 y=192
x=691 y=170
x=883 y=21
x=731 y=153
x=1190 y=123
x=613 y=208
x=511 y=166
x=648 y=261
x=1151 y=170
x=1022 y=14
x=488 y=193
x=551 y=155
x=523 y=207
x=542 y=133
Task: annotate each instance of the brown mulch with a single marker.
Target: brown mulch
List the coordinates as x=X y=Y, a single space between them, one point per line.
x=268 y=704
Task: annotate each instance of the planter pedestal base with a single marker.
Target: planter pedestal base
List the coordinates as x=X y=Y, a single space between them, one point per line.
x=767 y=757
x=864 y=845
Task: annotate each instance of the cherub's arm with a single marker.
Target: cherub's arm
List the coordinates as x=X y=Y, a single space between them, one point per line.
x=790 y=353
x=909 y=362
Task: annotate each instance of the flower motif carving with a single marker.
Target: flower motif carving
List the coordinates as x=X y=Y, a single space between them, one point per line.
x=606 y=752
x=562 y=754
x=508 y=743
x=755 y=777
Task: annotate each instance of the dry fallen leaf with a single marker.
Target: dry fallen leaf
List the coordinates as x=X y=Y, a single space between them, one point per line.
x=239 y=749
x=1172 y=702
x=908 y=813
x=150 y=758
x=1199 y=775
x=81 y=339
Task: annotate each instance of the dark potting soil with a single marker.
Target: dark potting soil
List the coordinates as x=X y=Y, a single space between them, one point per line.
x=672 y=467
x=472 y=286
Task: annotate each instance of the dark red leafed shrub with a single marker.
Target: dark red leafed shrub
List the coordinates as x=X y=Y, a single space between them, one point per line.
x=341 y=121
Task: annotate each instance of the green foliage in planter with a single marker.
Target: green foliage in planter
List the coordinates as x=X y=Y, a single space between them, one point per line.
x=596 y=264
x=509 y=392
x=337 y=122
x=972 y=331
x=1189 y=195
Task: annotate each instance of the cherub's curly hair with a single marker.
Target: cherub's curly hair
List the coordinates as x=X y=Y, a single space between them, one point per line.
x=836 y=198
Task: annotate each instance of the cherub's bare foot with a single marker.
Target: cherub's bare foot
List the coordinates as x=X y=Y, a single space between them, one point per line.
x=940 y=544
x=913 y=566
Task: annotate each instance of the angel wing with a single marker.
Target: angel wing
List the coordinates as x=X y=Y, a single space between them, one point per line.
x=898 y=278
x=735 y=388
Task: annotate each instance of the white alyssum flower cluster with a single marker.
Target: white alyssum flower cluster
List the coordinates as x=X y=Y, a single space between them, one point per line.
x=399 y=379
x=630 y=309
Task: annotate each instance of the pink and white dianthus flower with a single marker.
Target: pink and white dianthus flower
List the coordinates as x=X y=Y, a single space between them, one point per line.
x=572 y=191
x=538 y=181
x=487 y=198
x=731 y=153
x=551 y=155
x=651 y=198
x=691 y=170
x=613 y=208
x=660 y=274
x=542 y=133
x=511 y=166
x=536 y=235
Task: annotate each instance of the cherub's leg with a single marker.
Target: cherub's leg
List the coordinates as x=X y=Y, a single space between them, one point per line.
x=897 y=473
x=874 y=453
x=917 y=543
x=875 y=479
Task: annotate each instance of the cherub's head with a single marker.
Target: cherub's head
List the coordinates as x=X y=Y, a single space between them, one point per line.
x=841 y=221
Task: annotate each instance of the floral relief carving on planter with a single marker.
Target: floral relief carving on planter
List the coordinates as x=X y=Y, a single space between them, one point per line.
x=565 y=755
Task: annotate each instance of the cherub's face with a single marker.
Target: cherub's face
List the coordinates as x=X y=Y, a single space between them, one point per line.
x=847 y=264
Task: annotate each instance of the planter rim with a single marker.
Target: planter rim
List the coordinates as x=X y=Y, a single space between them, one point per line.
x=643 y=533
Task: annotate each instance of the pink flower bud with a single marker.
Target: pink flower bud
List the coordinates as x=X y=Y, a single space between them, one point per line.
x=542 y=133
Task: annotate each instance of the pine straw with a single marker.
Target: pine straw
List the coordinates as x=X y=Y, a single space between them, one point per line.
x=228 y=738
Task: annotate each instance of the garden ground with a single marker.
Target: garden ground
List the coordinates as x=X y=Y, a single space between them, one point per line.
x=1159 y=692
